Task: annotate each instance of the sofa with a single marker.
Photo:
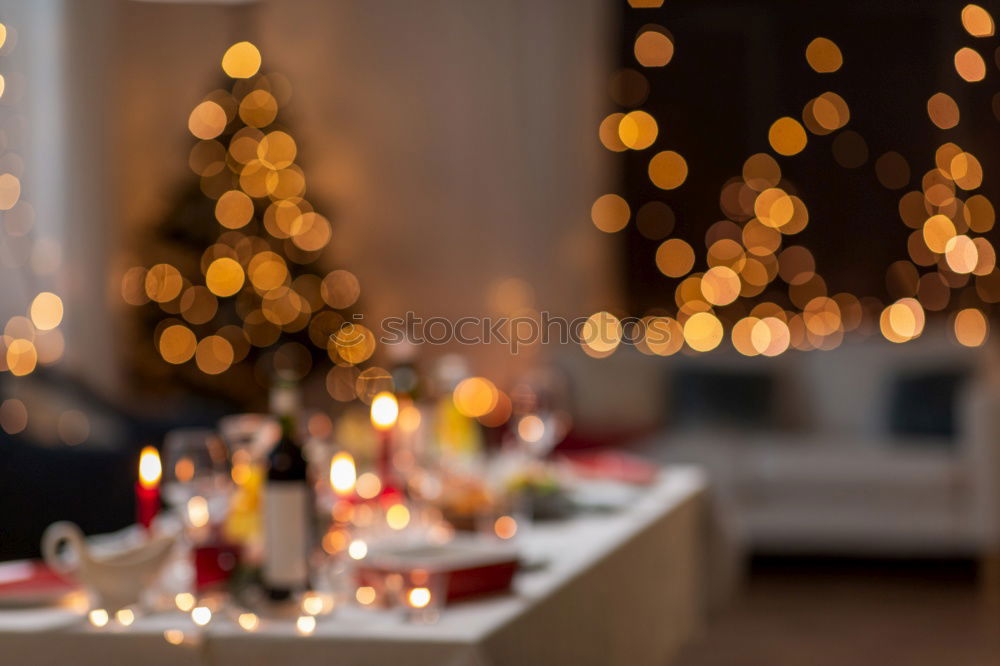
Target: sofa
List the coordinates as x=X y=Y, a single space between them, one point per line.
x=871 y=449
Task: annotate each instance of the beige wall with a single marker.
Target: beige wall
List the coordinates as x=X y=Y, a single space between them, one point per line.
x=453 y=143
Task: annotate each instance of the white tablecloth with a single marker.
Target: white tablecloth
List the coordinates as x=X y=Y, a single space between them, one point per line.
x=621 y=588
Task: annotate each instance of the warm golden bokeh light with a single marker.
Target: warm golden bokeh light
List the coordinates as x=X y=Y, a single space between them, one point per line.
x=607 y=132
x=267 y=270
x=970 y=327
x=10 y=191
x=826 y=113
x=277 y=150
x=22 y=357
x=664 y=336
x=966 y=171
x=224 y=277
x=397 y=517
x=13 y=415
x=610 y=213
x=163 y=283
x=961 y=254
x=340 y=289
x=823 y=55
x=601 y=333
x=46 y=311
x=675 y=258
x=637 y=130
x=258 y=109
x=207 y=120
x=978 y=213
x=786 y=136
x=214 y=355
x=902 y=321
x=977 y=21
x=177 y=344
x=970 y=65
x=354 y=344
x=241 y=60
x=761 y=171
x=720 y=285
x=475 y=396
x=942 y=110
x=505 y=527
x=703 y=331
x=653 y=47
x=770 y=336
x=668 y=170
x=234 y=209
x=937 y=231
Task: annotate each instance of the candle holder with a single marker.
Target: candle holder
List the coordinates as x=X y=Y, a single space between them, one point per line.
x=422 y=595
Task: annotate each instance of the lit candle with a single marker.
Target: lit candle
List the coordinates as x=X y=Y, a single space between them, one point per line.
x=147 y=490
x=385 y=411
x=420 y=604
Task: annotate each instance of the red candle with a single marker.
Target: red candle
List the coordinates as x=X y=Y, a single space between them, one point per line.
x=147 y=488
x=384 y=412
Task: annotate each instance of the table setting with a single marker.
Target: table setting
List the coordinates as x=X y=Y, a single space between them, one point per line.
x=404 y=543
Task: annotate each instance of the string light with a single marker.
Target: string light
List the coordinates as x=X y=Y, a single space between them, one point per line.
x=745 y=253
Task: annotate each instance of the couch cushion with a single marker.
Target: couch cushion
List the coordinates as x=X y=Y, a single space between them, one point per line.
x=922 y=405
x=706 y=397
x=845 y=388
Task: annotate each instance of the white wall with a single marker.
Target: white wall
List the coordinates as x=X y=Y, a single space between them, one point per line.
x=452 y=142
x=58 y=54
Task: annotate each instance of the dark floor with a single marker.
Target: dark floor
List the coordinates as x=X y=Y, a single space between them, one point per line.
x=853 y=613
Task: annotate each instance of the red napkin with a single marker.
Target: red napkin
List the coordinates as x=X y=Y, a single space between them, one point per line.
x=612 y=465
x=31 y=582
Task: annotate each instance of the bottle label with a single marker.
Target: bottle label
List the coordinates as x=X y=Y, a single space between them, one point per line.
x=286 y=534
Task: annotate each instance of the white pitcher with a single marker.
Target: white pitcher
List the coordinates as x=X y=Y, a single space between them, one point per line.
x=116 y=580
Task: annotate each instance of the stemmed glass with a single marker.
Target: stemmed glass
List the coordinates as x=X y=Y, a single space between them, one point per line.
x=196 y=475
x=539 y=417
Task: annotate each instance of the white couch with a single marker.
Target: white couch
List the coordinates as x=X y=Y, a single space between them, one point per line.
x=831 y=478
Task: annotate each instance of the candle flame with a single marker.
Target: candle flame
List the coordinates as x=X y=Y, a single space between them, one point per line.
x=385 y=409
x=150 y=469
x=343 y=473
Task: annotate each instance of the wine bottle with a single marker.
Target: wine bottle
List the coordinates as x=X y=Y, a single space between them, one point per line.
x=286 y=507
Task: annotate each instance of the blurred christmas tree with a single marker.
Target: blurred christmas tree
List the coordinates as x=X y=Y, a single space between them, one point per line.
x=236 y=291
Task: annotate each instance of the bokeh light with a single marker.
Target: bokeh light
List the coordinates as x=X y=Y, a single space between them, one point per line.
x=653 y=47
x=823 y=55
x=241 y=60
x=786 y=136
x=610 y=213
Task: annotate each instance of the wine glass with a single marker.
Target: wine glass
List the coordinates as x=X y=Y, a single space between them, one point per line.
x=196 y=475
x=539 y=419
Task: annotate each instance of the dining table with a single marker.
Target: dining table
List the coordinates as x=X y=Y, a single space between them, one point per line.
x=610 y=585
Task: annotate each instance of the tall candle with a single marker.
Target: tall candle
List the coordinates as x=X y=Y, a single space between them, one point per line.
x=147 y=489
x=385 y=411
